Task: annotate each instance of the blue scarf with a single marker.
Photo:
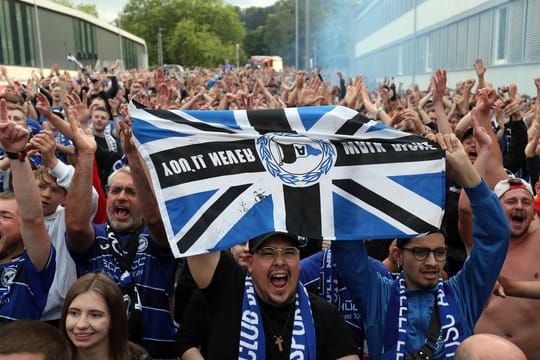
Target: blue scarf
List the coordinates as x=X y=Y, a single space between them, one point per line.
x=332 y=290
x=252 y=339
x=451 y=333
x=335 y=293
x=329 y=286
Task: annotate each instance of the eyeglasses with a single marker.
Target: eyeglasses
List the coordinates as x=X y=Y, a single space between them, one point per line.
x=269 y=253
x=422 y=253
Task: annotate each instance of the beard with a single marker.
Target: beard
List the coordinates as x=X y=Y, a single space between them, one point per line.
x=132 y=224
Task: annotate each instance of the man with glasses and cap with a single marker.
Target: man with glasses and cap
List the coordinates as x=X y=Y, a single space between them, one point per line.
x=420 y=316
x=265 y=312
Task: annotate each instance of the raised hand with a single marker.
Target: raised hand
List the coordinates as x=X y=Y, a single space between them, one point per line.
x=82 y=138
x=439 y=85
x=126 y=135
x=13 y=137
x=479 y=68
x=164 y=96
x=309 y=94
x=411 y=116
x=468 y=85
x=513 y=110
x=512 y=91
x=486 y=98
x=43 y=105
x=80 y=106
x=483 y=140
x=45 y=144
x=459 y=166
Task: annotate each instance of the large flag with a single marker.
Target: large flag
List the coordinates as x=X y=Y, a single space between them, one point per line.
x=224 y=177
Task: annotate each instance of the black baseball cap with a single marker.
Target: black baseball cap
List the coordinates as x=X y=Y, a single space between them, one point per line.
x=258 y=242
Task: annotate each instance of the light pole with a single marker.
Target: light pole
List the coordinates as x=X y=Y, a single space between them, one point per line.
x=307 y=37
x=296 y=35
x=237 y=55
x=120 y=38
x=159 y=47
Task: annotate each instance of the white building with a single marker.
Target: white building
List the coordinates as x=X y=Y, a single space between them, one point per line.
x=410 y=39
x=39 y=33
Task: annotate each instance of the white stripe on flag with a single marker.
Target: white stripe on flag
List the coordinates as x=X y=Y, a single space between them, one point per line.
x=375 y=211
x=294 y=120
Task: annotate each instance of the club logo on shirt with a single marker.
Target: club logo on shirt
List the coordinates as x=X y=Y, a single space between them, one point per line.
x=143 y=243
x=8 y=274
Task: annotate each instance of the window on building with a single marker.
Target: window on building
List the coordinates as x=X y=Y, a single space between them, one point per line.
x=16 y=34
x=399 y=68
x=428 y=57
x=501 y=34
x=85 y=41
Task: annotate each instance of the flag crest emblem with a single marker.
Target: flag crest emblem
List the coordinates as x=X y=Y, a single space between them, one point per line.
x=294 y=159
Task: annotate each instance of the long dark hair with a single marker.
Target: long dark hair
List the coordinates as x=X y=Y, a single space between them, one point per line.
x=111 y=293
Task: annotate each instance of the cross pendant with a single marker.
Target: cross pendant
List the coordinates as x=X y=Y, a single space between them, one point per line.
x=279 y=342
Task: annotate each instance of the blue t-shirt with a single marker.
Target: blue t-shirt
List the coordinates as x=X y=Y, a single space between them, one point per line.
x=23 y=289
x=319 y=281
x=62 y=140
x=153 y=271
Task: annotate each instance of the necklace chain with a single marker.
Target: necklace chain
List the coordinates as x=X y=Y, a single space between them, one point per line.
x=278 y=339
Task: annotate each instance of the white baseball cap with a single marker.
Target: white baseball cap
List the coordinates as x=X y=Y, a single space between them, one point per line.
x=511 y=183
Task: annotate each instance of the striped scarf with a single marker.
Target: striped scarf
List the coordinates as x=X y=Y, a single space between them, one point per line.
x=252 y=339
x=451 y=332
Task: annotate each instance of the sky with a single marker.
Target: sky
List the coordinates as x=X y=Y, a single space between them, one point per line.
x=108 y=10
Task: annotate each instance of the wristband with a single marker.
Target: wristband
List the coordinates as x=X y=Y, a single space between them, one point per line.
x=21 y=155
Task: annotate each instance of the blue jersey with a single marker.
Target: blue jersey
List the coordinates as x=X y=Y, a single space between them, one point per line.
x=23 y=289
x=471 y=286
x=320 y=281
x=62 y=140
x=153 y=273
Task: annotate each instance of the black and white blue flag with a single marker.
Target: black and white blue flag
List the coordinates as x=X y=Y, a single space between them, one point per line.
x=224 y=177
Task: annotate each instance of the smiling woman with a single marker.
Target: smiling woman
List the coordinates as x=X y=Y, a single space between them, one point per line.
x=94 y=320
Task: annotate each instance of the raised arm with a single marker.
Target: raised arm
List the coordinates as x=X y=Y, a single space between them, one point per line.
x=480 y=71
x=439 y=89
x=143 y=187
x=514 y=157
x=4 y=74
x=44 y=107
x=488 y=161
x=460 y=167
x=203 y=267
x=14 y=139
x=80 y=233
x=495 y=171
x=422 y=102
x=467 y=87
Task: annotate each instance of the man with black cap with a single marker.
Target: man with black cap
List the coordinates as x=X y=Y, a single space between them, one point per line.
x=420 y=316
x=266 y=312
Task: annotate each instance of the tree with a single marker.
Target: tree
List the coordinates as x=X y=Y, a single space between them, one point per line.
x=254 y=17
x=211 y=21
x=195 y=46
x=255 y=42
x=279 y=33
x=86 y=8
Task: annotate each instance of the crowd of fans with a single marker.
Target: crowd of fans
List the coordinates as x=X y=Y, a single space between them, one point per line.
x=74 y=133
